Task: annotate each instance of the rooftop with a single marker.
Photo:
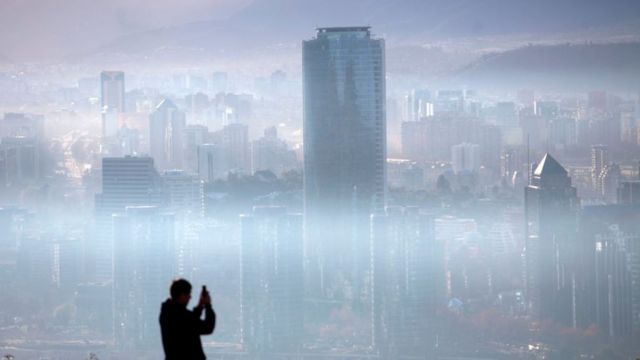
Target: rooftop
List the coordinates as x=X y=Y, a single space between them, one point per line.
x=343 y=29
x=549 y=166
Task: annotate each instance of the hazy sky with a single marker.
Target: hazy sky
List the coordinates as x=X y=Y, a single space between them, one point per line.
x=49 y=29
x=54 y=24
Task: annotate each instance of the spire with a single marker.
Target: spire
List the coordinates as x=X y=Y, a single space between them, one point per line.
x=549 y=166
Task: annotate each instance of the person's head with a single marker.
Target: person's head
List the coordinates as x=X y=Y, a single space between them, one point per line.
x=180 y=291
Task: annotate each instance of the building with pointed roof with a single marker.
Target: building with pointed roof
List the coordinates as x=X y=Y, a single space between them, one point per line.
x=549 y=166
x=551 y=207
x=549 y=173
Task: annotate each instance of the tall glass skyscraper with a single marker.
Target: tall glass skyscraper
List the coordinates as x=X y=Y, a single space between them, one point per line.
x=551 y=247
x=344 y=152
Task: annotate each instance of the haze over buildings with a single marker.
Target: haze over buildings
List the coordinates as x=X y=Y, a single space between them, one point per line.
x=410 y=179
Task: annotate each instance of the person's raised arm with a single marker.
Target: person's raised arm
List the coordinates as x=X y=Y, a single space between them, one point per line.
x=207 y=325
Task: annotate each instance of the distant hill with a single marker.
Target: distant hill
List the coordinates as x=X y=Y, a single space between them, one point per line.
x=436 y=41
x=580 y=66
x=266 y=23
x=565 y=57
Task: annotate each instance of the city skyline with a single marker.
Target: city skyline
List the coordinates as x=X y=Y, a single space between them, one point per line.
x=374 y=190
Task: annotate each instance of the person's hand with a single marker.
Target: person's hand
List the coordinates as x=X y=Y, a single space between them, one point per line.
x=205 y=299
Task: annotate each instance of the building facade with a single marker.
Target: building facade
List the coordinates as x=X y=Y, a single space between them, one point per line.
x=126 y=181
x=166 y=135
x=344 y=150
x=408 y=282
x=551 y=208
x=112 y=94
x=144 y=262
x=272 y=281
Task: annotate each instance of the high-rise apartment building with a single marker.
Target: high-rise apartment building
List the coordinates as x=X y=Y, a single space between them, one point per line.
x=112 y=101
x=344 y=149
x=408 y=282
x=613 y=285
x=511 y=163
x=194 y=136
x=126 y=181
x=166 y=133
x=609 y=182
x=599 y=160
x=19 y=161
x=418 y=104
x=235 y=139
x=432 y=138
x=271 y=153
x=112 y=94
x=184 y=192
x=21 y=137
x=227 y=151
x=144 y=262
x=607 y=293
x=212 y=162
x=22 y=125
x=272 y=281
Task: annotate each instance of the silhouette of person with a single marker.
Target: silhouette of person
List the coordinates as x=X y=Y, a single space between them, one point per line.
x=181 y=328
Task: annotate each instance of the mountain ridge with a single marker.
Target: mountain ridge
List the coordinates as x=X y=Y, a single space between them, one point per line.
x=268 y=22
x=582 y=66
